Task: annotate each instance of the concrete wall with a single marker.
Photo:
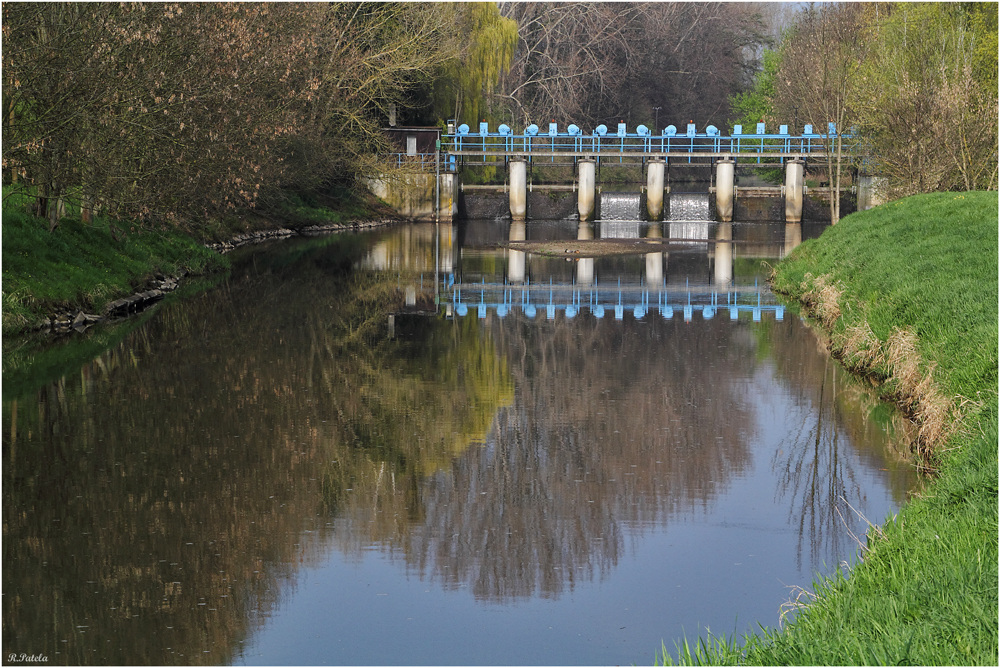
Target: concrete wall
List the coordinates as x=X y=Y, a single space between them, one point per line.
x=871 y=192
x=412 y=195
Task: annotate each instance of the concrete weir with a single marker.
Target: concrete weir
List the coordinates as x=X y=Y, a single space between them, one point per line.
x=660 y=156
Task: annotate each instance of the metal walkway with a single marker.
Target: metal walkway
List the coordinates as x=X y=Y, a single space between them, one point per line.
x=465 y=147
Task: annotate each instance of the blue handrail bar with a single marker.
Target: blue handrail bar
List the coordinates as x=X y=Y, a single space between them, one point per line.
x=423 y=162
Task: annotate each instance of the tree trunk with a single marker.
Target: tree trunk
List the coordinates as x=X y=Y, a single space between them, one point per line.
x=55 y=207
x=836 y=208
x=829 y=175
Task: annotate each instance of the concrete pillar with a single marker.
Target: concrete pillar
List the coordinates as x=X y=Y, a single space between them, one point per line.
x=794 y=170
x=448 y=196
x=793 y=237
x=587 y=171
x=725 y=188
x=518 y=189
x=655 y=173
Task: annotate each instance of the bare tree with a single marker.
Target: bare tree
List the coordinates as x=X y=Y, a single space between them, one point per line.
x=601 y=62
x=817 y=77
x=569 y=56
x=694 y=56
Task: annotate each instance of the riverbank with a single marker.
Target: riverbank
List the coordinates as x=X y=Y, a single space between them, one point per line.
x=907 y=293
x=80 y=273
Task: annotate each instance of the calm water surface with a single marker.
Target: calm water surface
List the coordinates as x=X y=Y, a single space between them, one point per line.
x=269 y=474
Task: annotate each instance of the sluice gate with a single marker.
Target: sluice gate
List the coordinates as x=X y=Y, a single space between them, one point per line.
x=520 y=154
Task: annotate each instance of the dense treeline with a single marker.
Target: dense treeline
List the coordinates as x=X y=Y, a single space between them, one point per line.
x=916 y=81
x=186 y=112
x=178 y=112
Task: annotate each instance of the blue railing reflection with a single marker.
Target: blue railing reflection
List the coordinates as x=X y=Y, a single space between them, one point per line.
x=639 y=300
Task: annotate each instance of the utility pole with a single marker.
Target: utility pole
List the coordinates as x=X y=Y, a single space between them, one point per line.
x=656 y=120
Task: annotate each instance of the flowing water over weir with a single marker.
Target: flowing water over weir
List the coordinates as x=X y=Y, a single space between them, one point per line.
x=688 y=215
x=274 y=472
x=690 y=207
x=620 y=214
x=621 y=206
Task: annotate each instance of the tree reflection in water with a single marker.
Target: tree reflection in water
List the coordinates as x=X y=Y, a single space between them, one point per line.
x=161 y=500
x=826 y=486
x=613 y=426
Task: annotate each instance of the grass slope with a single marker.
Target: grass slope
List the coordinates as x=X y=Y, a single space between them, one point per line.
x=84 y=266
x=908 y=294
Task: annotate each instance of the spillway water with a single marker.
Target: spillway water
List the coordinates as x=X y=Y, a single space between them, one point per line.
x=688 y=215
x=620 y=206
x=690 y=207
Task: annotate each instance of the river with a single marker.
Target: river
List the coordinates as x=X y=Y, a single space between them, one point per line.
x=538 y=460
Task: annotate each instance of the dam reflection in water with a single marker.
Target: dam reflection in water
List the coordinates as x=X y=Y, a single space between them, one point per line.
x=479 y=489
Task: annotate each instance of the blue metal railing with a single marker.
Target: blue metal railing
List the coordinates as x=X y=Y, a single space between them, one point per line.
x=424 y=162
x=533 y=143
x=574 y=143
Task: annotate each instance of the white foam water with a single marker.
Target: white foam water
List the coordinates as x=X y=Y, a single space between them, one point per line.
x=620 y=206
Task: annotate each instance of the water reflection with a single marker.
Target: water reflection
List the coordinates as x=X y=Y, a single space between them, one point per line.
x=723 y=248
x=683 y=276
x=161 y=503
x=605 y=433
x=733 y=250
x=833 y=415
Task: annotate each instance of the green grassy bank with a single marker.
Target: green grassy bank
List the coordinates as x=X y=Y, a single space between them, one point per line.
x=78 y=266
x=907 y=293
x=83 y=266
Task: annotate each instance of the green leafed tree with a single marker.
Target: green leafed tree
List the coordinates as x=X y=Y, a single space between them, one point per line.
x=757 y=103
x=926 y=95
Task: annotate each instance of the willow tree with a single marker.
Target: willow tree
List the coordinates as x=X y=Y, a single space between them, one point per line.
x=464 y=85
